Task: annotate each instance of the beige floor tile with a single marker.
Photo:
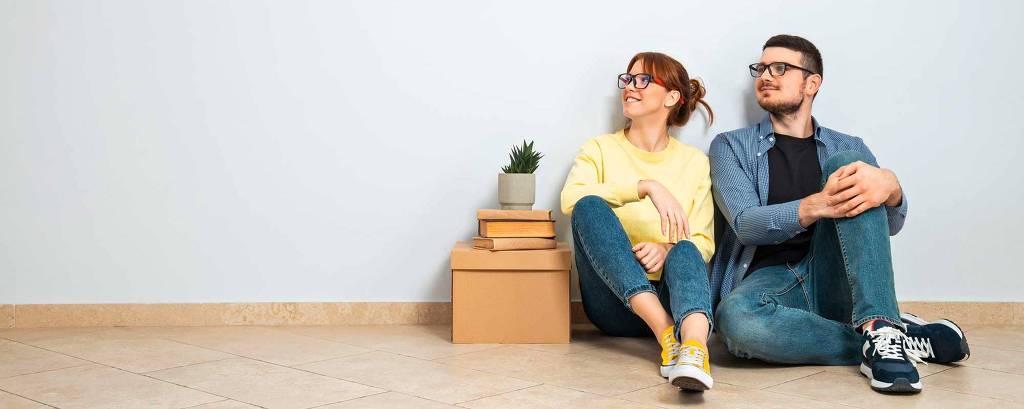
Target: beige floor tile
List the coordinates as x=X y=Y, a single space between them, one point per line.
x=590 y=371
x=32 y=335
x=273 y=345
x=980 y=382
x=413 y=376
x=637 y=351
x=1002 y=337
x=418 y=341
x=11 y=401
x=97 y=386
x=130 y=351
x=264 y=384
x=225 y=404
x=19 y=359
x=584 y=337
x=389 y=400
x=721 y=396
x=550 y=396
x=922 y=369
x=996 y=359
x=856 y=391
x=727 y=368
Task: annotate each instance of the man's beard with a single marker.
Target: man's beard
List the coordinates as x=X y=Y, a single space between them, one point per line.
x=782 y=108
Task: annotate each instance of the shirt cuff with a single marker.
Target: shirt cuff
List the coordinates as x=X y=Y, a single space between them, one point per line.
x=787 y=218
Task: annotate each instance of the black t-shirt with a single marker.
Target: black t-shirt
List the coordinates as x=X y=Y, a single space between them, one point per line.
x=793 y=173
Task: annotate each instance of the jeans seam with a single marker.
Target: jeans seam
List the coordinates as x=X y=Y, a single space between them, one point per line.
x=800 y=281
x=583 y=244
x=780 y=292
x=846 y=267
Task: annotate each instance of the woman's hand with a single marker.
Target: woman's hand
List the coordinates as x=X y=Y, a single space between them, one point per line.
x=651 y=255
x=673 y=219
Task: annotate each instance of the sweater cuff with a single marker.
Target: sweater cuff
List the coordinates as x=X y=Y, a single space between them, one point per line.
x=626 y=192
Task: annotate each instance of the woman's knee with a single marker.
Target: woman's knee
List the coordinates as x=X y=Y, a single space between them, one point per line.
x=685 y=258
x=588 y=208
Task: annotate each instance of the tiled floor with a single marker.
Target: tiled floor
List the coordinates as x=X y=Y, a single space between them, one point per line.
x=417 y=367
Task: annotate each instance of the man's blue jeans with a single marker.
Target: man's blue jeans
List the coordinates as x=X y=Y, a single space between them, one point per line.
x=808 y=313
x=610 y=273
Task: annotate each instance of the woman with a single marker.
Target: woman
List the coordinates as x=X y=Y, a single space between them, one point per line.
x=642 y=216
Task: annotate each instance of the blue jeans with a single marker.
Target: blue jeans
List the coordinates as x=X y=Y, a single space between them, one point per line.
x=610 y=274
x=808 y=313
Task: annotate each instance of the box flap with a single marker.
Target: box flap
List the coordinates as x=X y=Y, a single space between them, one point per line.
x=465 y=257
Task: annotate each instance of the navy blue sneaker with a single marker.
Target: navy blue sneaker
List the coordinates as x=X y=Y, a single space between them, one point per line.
x=889 y=366
x=939 y=341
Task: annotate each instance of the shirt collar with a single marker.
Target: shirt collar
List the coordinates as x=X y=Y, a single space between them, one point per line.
x=764 y=129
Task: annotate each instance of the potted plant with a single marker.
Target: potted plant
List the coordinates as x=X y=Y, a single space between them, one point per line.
x=517 y=185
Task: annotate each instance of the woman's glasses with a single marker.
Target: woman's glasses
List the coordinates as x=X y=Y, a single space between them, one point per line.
x=640 y=80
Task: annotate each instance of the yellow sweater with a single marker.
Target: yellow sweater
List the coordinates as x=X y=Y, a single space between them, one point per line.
x=610 y=166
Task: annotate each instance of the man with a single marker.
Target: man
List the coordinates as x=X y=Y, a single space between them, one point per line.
x=804 y=271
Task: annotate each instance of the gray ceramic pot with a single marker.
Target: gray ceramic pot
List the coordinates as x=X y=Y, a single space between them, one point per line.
x=516 y=190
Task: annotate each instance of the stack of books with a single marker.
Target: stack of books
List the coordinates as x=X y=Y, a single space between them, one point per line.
x=515 y=230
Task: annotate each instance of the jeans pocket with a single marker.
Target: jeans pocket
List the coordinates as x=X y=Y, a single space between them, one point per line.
x=793 y=294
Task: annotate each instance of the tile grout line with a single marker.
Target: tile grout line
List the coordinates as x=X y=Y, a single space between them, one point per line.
x=428 y=361
x=765 y=388
x=979 y=368
x=28 y=398
x=286 y=366
x=130 y=373
x=497 y=394
x=45 y=371
x=816 y=399
x=973 y=395
x=383 y=391
x=210 y=403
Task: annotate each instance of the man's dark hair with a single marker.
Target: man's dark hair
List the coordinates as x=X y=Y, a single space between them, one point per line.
x=811 y=55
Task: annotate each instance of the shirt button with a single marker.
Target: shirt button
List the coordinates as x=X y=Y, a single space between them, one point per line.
x=759 y=154
x=771 y=139
x=744 y=265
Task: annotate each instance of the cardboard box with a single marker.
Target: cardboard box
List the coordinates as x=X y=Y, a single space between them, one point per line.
x=512 y=297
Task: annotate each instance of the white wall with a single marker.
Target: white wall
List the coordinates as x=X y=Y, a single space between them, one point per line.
x=215 y=151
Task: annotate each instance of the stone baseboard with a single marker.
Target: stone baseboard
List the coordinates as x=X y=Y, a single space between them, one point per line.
x=366 y=313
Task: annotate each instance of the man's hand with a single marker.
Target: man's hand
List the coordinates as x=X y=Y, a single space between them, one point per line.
x=860 y=187
x=818 y=205
x=651 y=255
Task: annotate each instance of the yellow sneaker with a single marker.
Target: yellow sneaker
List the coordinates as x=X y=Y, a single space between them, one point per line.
x=693 y=368
x=669 y=350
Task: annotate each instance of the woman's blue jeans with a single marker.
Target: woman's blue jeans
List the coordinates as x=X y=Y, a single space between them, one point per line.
x=610 y=274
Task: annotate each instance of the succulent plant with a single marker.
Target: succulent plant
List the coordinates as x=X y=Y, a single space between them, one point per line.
x=523 y=159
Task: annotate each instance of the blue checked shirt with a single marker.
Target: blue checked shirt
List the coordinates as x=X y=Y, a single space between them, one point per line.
x=739 y=181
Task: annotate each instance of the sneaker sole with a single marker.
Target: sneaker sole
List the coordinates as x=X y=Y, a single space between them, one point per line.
x=913 y=319
x=690 y=378
x=665 y=369
x=899 y=385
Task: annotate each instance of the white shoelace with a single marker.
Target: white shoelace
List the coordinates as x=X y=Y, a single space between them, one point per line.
x=888 y=343
x=692 y=355
x=920 y=346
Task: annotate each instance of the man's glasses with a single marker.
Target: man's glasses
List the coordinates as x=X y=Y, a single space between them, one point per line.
x=776 y=69
x=640 y=81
